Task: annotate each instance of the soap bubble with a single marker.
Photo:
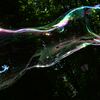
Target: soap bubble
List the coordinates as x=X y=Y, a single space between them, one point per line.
x=40 y=47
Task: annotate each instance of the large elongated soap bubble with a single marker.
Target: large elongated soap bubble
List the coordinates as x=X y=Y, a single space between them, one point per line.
x=26 y=48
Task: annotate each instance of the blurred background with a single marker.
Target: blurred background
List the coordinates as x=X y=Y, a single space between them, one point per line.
x=76 y=77
x=36 y=12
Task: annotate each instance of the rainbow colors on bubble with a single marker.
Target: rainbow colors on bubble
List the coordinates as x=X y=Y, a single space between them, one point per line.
x=40 y=47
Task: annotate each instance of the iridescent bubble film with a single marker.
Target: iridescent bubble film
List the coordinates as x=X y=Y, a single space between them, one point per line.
x=26 y=48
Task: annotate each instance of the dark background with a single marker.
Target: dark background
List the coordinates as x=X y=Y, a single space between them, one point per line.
x=68 y=82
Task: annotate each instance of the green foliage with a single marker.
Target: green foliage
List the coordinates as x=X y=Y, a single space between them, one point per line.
x=32 y=13
x=41 y=12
